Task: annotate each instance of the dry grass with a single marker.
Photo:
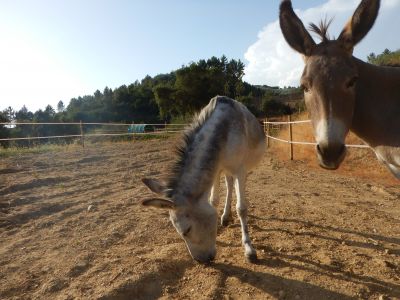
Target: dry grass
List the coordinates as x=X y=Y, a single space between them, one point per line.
x=358 y=162
x=76 y=144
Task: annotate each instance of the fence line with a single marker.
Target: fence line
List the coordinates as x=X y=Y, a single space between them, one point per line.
x=166 y=128
x=87 y=135
x=287 y=122
x=310 y=143
x=88 y=123
x=290 y=142
x=40 y=137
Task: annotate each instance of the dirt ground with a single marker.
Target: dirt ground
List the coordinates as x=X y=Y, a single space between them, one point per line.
x=71 y=227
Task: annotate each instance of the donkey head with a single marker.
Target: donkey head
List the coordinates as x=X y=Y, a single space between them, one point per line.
x=194 y=220
x=329 y=79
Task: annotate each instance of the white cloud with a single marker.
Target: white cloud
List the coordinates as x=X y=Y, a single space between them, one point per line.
x=271 y=61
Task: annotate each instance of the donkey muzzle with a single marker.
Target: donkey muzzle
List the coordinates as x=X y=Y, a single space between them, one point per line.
x=330 y=156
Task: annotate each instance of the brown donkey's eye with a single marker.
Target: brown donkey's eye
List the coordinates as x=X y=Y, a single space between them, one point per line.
x=187 y=231
x=352 y=82
x=304 y=88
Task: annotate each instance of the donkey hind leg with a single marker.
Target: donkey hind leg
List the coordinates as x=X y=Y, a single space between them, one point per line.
x=241 y=208
x=214 y=196
x=227 y=209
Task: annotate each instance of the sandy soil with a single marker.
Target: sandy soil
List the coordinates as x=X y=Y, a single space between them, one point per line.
x=71 y=227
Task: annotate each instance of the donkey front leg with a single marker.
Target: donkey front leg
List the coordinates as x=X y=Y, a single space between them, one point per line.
x=241 y=208
x=214 y=196
x=227 y=209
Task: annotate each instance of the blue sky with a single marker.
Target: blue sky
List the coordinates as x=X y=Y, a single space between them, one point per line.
x=56 y=50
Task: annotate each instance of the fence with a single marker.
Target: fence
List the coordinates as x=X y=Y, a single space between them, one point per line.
x=270 y=126
x=158 y=129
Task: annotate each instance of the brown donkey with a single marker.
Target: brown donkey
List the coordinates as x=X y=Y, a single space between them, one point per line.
x=343 y=93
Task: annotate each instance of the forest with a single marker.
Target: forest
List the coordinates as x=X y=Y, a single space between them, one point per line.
x=386 y=58
x=171 y=98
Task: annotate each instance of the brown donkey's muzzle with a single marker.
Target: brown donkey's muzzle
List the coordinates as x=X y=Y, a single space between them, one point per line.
x=331 y=156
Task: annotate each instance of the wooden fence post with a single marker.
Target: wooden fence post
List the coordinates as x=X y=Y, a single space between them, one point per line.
x=82 y=137
x=290 y=137
x=266 y=131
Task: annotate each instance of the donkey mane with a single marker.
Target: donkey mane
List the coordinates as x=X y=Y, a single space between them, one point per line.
x=321 y=29
x=189 y=142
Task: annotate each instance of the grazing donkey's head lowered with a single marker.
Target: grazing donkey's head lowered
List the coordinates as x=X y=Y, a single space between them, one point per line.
x=195 y=221
x=187 y=191
x=330 y=75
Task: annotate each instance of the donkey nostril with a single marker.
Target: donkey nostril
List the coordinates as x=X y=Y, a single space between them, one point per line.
x=211 y=257
x=343 y=148
x=338 y=150
x=319 y=149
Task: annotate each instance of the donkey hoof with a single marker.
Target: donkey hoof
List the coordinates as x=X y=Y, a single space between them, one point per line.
x=251 y=257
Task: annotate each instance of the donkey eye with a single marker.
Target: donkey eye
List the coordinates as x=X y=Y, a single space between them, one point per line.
x=352 y=82
x=304 y=88
x=187 y=231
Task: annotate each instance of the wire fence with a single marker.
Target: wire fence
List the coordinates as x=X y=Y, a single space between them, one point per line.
x=271 y=127
x=273 y=131
x=117 y=129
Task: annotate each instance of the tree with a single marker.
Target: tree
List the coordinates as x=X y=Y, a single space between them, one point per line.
x=234 y=75
x=122 y=104
x=49 y=113
x=23 y=115
x=371 y=57
x=272 y=107
x=195 y=85
x=60 y=106
x=4 y=132
x=4 y=117
x=249 y=102
x=165 y=99
x=386 y=51
x=9 y=114
x=386 y=58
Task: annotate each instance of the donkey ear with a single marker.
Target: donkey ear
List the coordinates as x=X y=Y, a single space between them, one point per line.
x=155 y=185
x=293 y=29
x=159 y=203
x=360 y=23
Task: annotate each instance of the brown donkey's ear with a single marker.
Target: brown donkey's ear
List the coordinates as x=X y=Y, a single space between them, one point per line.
x=360 y=23
x=293 y=29
x=159 y=203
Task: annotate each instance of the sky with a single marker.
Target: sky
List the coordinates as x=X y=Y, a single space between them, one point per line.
x=54 y=50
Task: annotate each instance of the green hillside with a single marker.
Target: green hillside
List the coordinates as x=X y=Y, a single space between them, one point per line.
x=171 y=97
x=386 y=58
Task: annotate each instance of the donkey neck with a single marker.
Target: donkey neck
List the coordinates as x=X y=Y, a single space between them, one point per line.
x=377 y=105
x=198 y=163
